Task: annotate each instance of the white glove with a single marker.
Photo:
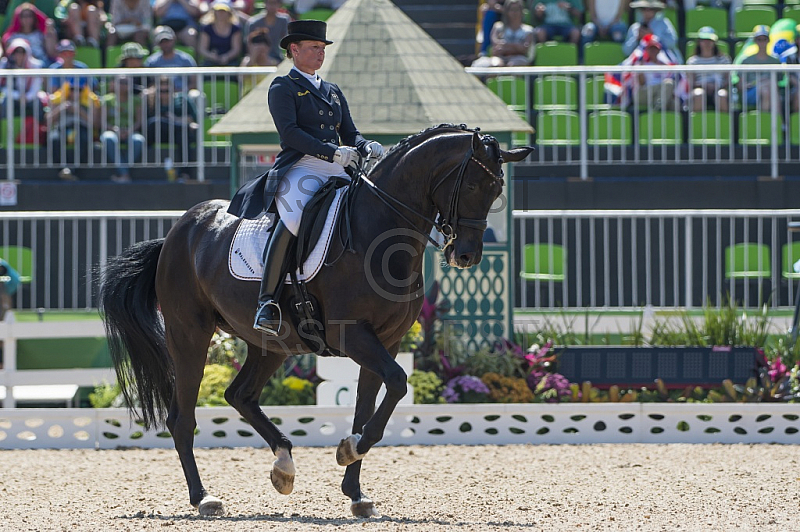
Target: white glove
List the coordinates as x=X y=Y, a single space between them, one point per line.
x=375 y=149
x=345 y=155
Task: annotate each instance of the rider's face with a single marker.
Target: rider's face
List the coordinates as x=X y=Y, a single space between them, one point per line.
x=308 y=55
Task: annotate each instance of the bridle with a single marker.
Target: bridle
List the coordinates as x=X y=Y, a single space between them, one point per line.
x=446 y=223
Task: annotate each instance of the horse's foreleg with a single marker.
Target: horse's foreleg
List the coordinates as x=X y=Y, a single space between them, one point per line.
x=364 y=347
x=243 y=394
x=368 y=386
x=189 y=357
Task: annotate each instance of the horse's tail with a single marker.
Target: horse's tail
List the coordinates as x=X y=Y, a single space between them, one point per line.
x=135 y=330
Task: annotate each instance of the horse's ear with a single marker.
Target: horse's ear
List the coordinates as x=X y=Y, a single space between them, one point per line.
x=478 y=148
x=517 y=154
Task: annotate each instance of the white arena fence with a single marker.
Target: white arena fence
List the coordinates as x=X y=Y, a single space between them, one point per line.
x=614 y=259
x=580 y=130
x=467 y=424
x=38 y=138
x=624 y=259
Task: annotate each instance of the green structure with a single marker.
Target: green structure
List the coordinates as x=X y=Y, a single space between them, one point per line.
x=399 y=81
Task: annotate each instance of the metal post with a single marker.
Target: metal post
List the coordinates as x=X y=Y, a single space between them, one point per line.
x=687 y=261
x=582 y=120
x=9 y=130
x=773 y=116
x=201 y=111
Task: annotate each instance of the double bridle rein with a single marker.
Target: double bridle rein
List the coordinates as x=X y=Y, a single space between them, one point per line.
x=446 y=223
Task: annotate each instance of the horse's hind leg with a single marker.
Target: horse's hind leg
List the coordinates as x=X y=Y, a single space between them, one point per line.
x=189 y=350
x=368 y=386
x=243 y=394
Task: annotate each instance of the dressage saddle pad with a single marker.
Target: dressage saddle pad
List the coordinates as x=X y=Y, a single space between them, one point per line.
x=245 y=259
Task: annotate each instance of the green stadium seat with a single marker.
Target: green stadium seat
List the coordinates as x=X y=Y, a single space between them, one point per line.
x=661 y=128
x=706 y=16
x=792 y=12
x=221 y=94
x=595 y=93
x=603 y=53
x=610 y=128
x=188 y=49
x=745 y=19
x=510 y=89
x=748 y=260
x=553 y=53
x=790 y=253
x=558 y=128
x=544 y=262
x=316 y=14
x=755 y=128
x=794 y=128
x=113 y=54
x=93 y=57
x=713 y=128
x=691 y=46
x=555 y=92
x=737 y=47
x=21 y=259
x=214 y=140
x=760 y=2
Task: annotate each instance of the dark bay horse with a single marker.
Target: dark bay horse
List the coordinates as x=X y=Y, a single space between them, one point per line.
x=162 y=300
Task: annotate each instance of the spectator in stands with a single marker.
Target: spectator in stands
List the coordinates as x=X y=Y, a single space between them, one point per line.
x=220 y=41
x=172 y=120
x=132 y=56
x=653 y=90
x=791 y=56
x=755 y=86
x=167 y=56
x=121 y=138
x=131 y=21
x=491 y=12
x=303 y=6
x=72 y=123
x=605 y=21
x=709 y=89
x=512 y=41
x=32 y=25
x=182 y=17
x=29 y=99
x=277 y=24
x=82 y=20
x=259 y=45
x=652 y=22
x=556 y=18
x=66 y=59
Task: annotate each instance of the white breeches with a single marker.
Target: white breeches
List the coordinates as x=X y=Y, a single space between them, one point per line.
x=299 y=184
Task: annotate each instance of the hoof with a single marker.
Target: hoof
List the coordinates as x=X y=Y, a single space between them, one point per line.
x=211 y=506
x=346 y=453
x=364 y=508
x=282 y=474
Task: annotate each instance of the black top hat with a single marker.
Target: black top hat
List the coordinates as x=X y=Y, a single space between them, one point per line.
x=305 y=30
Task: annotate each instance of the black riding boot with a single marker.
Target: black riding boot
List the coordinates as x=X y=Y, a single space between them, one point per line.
x=268 y=315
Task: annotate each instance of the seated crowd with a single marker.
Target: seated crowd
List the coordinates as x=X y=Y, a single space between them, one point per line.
x=122 y=116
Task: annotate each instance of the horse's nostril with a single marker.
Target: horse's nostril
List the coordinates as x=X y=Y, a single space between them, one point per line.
x=466 y=258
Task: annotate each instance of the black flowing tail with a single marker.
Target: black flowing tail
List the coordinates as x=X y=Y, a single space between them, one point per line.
x=135 y=330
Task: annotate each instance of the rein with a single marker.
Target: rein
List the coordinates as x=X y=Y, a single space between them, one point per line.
x=445 y=225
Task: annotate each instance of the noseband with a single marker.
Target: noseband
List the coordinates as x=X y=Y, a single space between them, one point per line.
x=446 y=224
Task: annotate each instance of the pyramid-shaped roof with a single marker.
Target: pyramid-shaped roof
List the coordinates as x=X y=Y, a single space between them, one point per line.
x=396 y=78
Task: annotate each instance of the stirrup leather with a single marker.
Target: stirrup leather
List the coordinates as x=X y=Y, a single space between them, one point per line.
x=257 y=326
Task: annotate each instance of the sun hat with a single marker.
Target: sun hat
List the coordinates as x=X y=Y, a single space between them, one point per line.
x=222 y=5
x=132 y=50
x=65 y=45
x=163 y=32
x=762 y=30
x=652 y=4
x=708 y=33
x=305 y=30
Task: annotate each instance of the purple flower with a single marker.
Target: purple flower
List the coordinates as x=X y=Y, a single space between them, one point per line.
x=466 y=389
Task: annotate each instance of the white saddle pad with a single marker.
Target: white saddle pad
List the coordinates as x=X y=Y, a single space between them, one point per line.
x=245 y=259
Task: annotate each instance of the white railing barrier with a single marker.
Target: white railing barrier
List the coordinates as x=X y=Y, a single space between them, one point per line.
x=657 y=258
x=50 y=384
x=762 y=135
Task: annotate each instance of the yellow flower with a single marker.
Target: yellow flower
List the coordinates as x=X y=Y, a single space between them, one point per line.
x=295 y=383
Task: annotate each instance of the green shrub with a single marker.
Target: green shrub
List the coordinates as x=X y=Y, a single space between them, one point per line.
x=216 y=379
x=427 y=387
x=106 y=396
x=288 y=391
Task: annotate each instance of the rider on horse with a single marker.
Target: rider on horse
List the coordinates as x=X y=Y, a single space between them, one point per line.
x=318 y=141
